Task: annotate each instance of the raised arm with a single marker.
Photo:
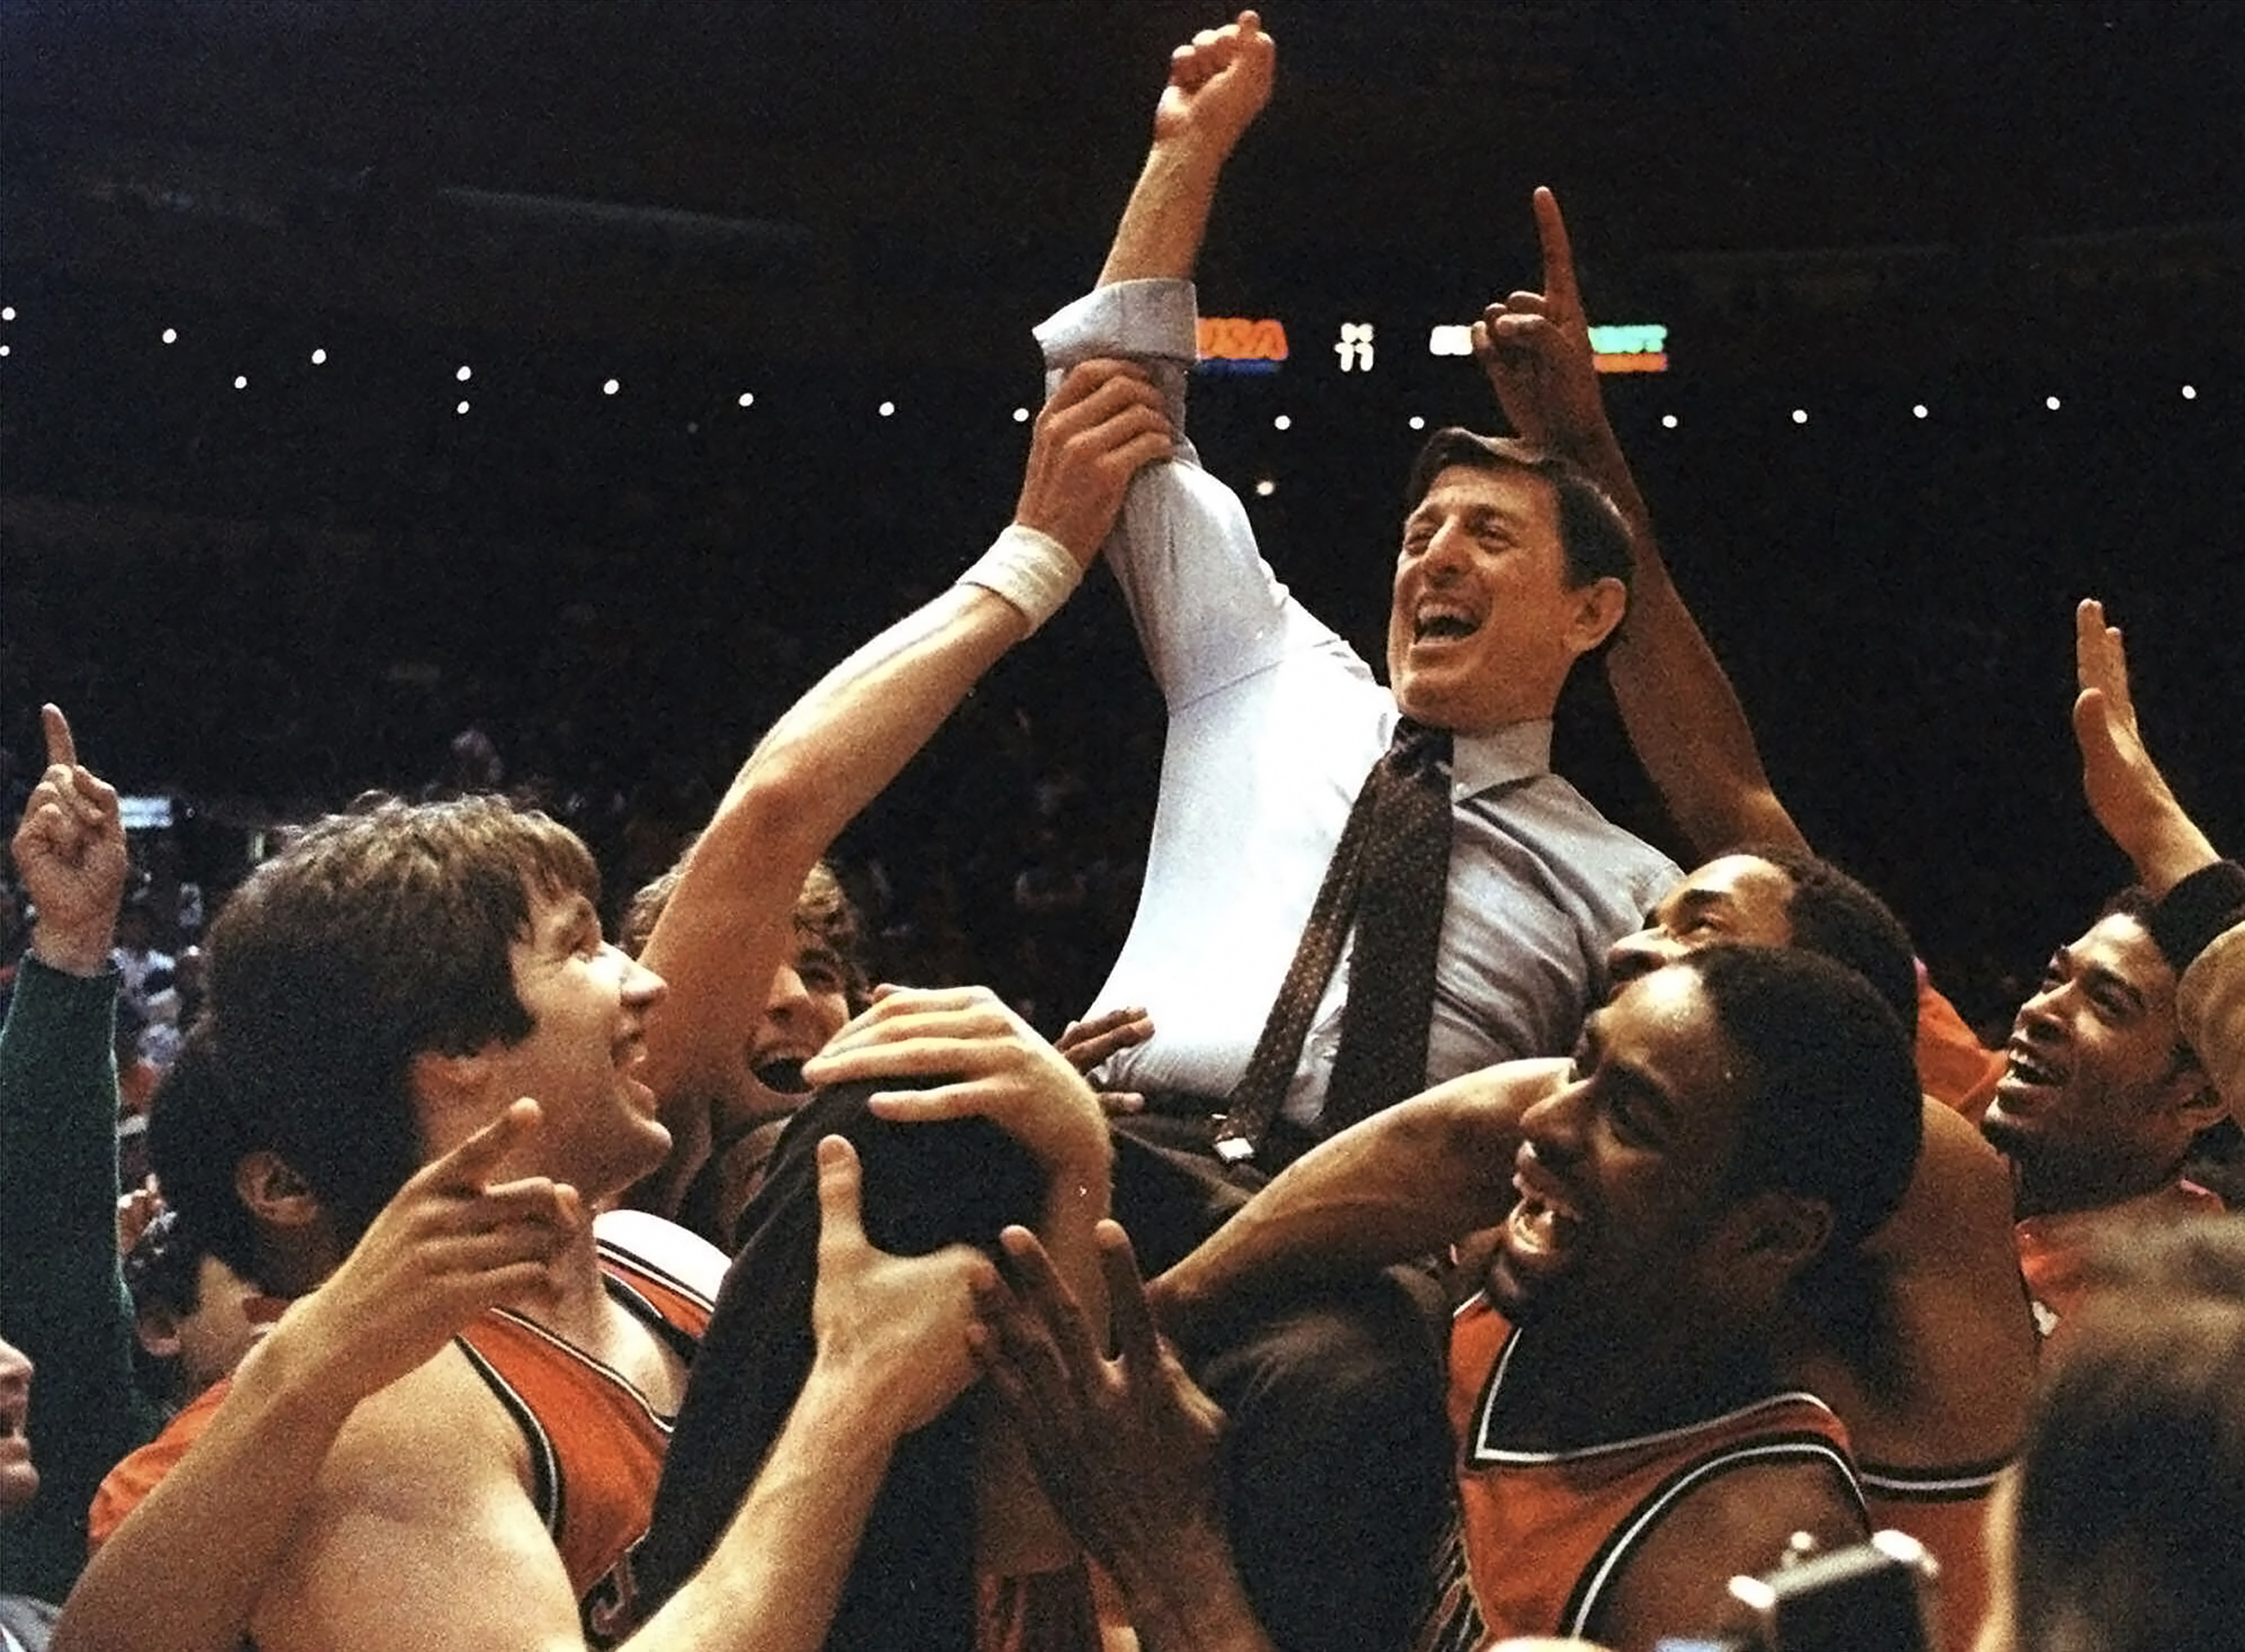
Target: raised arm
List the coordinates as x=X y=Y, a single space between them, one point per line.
x=2126 y=792
x=65 y=1302
x=1403 y=1183
x=2200 y=919
x=730 y=925
x=1683 y=716
x=1218 y=83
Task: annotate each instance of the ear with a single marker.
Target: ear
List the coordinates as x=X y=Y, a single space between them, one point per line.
x=275 y=1194
x=1598 y=608
x=1781 y=1232
x=2196 y=1103
x=159 y=1331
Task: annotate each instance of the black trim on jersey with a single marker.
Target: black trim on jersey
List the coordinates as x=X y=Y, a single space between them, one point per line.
x=545 y=1464
x=1949 y=1483
x=677 y=1338
x=1788 y=1445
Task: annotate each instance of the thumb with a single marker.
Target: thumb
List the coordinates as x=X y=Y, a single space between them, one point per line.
x=841 y=1224
x=2092 y=726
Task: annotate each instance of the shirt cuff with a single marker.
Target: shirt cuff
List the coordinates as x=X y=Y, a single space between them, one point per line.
x=1153 y=322
x=2196 y=911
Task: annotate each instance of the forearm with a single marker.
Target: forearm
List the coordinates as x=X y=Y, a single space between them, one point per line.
x=774 y=1580
x=65 y=1302
x=2169 y=848
x=836 y=749
x=1192 y=1600
x=160 y=1583
x=1167 y=216
x=1683 y=716
x=729 y=925
x=1686 y=725
x=1401 y=1184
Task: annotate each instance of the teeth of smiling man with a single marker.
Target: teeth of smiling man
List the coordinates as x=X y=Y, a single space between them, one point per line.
x=1440 y=619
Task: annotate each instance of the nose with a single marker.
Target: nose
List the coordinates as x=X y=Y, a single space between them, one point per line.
x=1554 y=1125
x=2040 y=1017
x=1445 y=550
x=1642 y=953
x=641 y=987
x=788 y=991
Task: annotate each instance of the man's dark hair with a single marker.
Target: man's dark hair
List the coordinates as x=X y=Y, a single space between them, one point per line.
x=163 y=1272
x=372 y=938
x=198 y=1133
x=164 y=1267
x=1834 y=1112
x=2131 y=1476
x=1593 y=538
x=1835 y=915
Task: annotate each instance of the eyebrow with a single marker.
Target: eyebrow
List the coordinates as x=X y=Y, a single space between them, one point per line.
x=1475 y=511
x=1640 y=1084
x=1698 y=897
x=570 y=919
x=2098 y=976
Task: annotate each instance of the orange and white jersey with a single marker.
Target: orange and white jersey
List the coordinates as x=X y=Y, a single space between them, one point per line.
x=1544 y=1533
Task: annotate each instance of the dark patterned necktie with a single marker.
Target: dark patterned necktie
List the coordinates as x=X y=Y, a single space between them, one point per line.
x=1386 y=878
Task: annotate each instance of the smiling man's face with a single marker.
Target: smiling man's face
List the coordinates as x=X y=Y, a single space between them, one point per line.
x=2100 y=1098
x=1483 y=626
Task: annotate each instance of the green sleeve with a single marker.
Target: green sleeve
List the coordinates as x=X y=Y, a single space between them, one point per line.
x=62 y=1293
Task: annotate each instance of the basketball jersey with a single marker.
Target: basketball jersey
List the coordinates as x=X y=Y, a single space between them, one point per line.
x=1542 y=1535
x=596 y=1444
x=1946 y=1509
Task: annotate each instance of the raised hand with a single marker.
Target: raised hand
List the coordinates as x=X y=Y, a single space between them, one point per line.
x=1125 y=1448
x=997 y=1065
x=1536 y=349
x=1103 y=425
x=2126 y=792
x=71 y=856
x=1219 y=83
x=450 y=1244
x=893 y=1330
x=1085 y=1043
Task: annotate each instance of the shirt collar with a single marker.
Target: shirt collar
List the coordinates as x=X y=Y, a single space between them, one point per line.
x=1517 y=751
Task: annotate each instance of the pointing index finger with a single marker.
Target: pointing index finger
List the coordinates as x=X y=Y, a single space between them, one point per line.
x=61 y=749
x=471 y=1163
x=1558 y=255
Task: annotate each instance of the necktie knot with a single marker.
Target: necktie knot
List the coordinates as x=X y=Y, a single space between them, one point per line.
x=1416 y=747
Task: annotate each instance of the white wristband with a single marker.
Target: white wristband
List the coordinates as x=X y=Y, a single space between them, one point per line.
x=1030 y=569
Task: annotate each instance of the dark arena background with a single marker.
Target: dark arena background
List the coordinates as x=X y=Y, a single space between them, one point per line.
x=412 y=394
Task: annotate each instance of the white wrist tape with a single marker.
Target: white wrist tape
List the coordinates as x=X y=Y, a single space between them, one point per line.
x=1030 y=569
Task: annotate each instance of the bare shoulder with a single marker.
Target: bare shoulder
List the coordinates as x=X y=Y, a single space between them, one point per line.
x=1962 y=1341
x=1735 y=1522
x=421 y=1529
